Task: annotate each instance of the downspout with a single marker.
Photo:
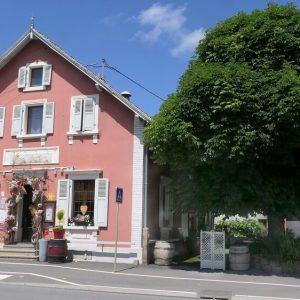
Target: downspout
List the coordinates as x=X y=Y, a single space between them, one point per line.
x=145 y=230
x=145 y=221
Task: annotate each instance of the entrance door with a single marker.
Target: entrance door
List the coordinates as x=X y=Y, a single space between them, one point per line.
x=26 y=215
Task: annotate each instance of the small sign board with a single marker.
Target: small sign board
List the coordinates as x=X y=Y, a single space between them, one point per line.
x=119 y=195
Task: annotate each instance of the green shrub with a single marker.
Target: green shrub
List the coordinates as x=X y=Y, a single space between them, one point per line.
x=241 y=228
x=280 y=248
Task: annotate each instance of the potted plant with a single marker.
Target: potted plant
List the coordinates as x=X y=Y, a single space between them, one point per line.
x=58 y=230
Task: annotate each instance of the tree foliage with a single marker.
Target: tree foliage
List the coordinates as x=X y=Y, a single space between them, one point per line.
x=231 y=131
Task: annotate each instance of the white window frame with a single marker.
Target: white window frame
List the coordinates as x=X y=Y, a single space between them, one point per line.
x=24 y=119
x=29 y=68
x=95 y=132
x=2 y=121
x=81 y=175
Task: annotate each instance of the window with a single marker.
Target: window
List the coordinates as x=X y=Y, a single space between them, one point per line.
x=34 y=76
x=84 y=117
x=84 y=114
x=77 y=195
x=33 y=118
x=83 y=201
x=2 y=117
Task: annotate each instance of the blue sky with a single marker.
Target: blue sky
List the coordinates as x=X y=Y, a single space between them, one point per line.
x=149 y=41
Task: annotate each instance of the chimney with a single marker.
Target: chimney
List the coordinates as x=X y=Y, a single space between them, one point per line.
x=126 y=95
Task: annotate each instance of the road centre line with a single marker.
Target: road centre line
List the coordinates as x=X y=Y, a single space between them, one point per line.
x=157 y=276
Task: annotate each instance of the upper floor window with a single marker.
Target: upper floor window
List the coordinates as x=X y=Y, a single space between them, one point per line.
x=84 y=114
x=35 y=76
x=33 y=118
x=2 y=119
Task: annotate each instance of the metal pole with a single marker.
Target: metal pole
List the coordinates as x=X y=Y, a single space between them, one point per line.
x=116 y=237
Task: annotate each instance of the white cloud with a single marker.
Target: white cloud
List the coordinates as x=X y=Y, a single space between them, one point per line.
x=162 y=19
x=189 y=42
x=168 y=21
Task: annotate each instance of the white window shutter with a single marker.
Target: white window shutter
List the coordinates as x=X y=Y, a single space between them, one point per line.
x=76 y=117
x=48 y=117
x=88 y=114
x=2 y=117
x=47 y=71
x=62 y=200
x=101 y=202
x=22 y=77
x=17 y=120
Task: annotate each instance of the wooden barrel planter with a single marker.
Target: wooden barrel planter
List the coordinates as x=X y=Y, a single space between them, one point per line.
x=57 y=250
x=163 y=253
x=239 y=258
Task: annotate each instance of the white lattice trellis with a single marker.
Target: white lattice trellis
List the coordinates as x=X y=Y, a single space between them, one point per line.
x=212 y=250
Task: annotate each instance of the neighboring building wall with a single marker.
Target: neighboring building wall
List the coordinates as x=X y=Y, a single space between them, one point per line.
x=154 y=173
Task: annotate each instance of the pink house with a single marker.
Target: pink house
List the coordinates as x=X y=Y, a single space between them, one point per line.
x=69 y=139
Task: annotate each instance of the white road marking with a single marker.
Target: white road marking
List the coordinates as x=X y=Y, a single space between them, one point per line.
x=157 y=276
x=42 y=276
x=4 y=276
x=248 y=297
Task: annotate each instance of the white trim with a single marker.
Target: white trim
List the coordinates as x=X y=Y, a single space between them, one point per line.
x=95 y=97
x=24 y=119
x=83 y=174
x=29 y=68
x=54 y=157
x=34 y=88
x=95 y=132
x=31 y=136
x=80 y=133
x=137 y=186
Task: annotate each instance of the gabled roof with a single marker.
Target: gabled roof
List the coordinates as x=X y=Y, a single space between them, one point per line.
x=34 y=34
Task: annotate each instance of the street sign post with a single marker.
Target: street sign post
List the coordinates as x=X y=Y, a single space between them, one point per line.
x=119 y=199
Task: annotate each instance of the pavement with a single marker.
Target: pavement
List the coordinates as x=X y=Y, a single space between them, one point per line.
x=172 y=281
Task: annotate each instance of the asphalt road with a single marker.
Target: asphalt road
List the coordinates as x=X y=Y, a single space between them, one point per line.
x=146 y=281
x=13 y=292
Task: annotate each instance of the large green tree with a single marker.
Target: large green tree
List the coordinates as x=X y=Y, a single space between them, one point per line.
x=231 y=131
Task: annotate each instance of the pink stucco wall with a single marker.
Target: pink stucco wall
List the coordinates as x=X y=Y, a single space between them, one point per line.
x=114 y=151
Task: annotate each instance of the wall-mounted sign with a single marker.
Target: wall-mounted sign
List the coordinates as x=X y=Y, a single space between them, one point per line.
x=31 y=156
x=119 y=195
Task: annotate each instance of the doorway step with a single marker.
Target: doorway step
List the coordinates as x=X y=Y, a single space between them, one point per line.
x=20 y=251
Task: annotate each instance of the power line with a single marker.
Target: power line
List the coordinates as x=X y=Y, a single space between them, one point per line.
x=104 y=64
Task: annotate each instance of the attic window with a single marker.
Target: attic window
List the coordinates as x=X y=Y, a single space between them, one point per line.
x=34 y=77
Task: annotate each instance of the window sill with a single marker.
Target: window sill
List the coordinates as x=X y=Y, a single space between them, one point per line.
x=34 y=88
x=95 y=134
x=41 y=136
x=81 y=227
x=79 y=133
x=31 y=136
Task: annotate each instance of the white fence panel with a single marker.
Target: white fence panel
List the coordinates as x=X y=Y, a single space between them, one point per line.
x=212 y=250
